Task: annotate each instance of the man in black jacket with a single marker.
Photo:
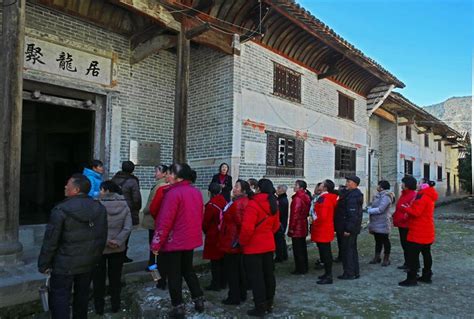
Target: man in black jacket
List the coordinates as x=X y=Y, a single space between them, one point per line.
x=347 y=222
x=281 y=252
x=73 y=243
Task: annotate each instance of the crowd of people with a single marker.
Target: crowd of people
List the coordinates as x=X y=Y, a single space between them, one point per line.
x=244 y=225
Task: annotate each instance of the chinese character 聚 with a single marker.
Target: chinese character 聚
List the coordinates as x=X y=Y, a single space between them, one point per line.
x=65 y=62
x=33 y=53
x=93 y=69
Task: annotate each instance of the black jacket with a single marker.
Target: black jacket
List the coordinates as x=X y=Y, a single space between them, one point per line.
x=348 y=216
x=283 y=208
x=131 y=191
x=75 y=236
x=228 y=185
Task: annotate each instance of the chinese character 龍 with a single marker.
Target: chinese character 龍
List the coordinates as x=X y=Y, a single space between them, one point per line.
x=65 y=62
x=33 y=53
x=93 y=69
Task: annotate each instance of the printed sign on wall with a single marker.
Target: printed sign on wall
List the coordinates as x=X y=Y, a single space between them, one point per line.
x=60 y=60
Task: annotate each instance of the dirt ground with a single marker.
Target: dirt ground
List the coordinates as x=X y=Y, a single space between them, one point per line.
x=375 y=295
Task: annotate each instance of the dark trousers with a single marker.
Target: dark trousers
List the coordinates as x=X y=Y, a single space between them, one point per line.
x=234 y=270
x=109 y=266
x=178 y=265
x=403 y=241
x=300 y=254
x=413 y=254
x=326 y=257
x=350 y=255
x=151 y=257
x=218 y=274
x=60 y=291
x=281 y=252
x=259 y=268
x=339 y=237
x=382 y=240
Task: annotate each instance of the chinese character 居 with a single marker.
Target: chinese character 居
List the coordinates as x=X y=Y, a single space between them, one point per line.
x=33 y=53
x=93 y=69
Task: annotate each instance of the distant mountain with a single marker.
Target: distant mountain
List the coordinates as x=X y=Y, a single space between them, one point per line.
x=455 y=111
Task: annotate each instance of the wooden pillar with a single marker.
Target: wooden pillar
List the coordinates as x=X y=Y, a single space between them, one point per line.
x=11 y=87
x=181 y=97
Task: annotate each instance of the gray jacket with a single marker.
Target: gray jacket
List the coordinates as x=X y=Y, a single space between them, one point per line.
x=148 y=222
x=380 y=219
x=119 y=220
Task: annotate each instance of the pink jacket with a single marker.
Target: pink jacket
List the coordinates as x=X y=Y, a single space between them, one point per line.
x=180 y=219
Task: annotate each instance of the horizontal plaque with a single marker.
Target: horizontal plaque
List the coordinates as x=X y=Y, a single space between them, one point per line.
x=50 y=57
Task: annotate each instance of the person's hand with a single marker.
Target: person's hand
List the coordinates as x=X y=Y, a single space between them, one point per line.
x=346 y=234
x=155 y=252
x=112 y=243
x=222 y=185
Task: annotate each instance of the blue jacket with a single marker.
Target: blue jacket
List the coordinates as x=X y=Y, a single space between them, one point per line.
x=95 y=179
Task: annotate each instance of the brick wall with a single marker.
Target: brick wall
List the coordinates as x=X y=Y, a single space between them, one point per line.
x=143 y=97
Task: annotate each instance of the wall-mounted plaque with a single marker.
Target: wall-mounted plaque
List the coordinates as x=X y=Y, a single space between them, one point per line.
x=145 y=153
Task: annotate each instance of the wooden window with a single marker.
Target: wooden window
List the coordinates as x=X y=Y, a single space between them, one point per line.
x=408 y=167
x=439 y=146
x=426 y=172
x=345 y=164
x=346 y=107
x=427 y=140
x=285 y=155
x=440 y=173
x=408 y=133
x=286 y=83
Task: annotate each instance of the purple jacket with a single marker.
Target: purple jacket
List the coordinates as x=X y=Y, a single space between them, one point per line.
x=179 y=223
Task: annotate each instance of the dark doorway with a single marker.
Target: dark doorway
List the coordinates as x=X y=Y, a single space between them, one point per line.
x=56 y=142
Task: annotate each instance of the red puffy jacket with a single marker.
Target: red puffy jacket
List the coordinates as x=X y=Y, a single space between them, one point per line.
x=156 y=201
x=421 y=228
x=400 y=217
x=259 y=226
x=179 y=223
x=210 y=227
x=322 y=229
x=231 y=226
x=299 y=210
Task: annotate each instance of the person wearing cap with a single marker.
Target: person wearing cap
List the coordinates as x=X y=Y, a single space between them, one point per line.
x=347 y=222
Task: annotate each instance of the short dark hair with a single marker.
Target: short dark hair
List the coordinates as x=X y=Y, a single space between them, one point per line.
x=252 y=182
x=128 y=167
x=183 y=171
x=384 y=184
x=302 y=184
x=410 y=182
x=96 y=163
x=214 y=188
x=329 y=184
x=162 y=168
x=81 y=182
x=111 y=187
x=245 y=186
x=228 y=167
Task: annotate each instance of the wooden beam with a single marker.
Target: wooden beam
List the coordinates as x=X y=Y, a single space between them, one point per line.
x=152 y=46
x=151 y=9
x=196 y=31
x=212 y=38
x=406 y=123
x=181 y=97
x=386 y=115
x=11 y=107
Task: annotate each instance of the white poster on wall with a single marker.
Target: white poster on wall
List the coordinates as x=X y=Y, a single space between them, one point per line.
x=255 y=153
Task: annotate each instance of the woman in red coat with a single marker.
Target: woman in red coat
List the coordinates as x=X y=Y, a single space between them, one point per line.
x=298 y=227
x=210 y=227
x=421 y=234
x=400 y=217
x=322 y=229
x=261 y=221
x=229 y=243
